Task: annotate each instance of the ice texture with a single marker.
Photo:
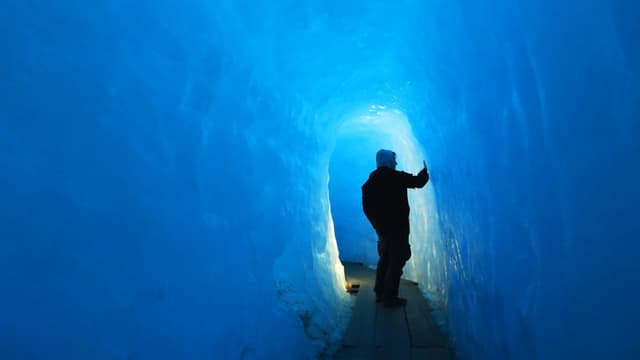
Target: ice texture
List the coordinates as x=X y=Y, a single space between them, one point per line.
x=171 y=173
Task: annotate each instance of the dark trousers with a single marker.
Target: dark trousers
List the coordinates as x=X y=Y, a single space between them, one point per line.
x=394 y=251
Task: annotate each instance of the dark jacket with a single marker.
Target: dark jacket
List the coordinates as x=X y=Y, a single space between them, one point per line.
x=384 y=199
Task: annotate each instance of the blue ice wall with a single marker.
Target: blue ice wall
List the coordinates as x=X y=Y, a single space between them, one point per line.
x=164 y=171
x=533 y=126
x=159 y=201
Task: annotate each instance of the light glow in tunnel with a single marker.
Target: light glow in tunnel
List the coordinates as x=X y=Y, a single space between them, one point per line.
x=171 y=171
x=360 y=136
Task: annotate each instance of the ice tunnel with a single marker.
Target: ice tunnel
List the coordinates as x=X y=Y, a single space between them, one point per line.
x=178 y=179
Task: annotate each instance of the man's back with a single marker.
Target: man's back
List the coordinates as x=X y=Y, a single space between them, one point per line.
x=384 y=198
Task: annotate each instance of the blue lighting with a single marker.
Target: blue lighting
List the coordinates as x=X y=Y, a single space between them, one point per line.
x=171 y=173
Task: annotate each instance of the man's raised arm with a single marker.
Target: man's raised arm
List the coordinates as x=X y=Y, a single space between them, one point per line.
x=416 y=181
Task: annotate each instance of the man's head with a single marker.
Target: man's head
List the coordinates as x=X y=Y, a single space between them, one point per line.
x=386 y=158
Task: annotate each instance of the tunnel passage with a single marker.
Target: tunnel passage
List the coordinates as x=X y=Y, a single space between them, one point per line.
x=358 y=139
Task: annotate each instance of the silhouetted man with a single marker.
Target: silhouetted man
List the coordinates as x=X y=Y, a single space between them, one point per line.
x=385 y=203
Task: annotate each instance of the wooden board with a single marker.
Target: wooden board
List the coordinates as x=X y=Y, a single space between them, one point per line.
x=392 y=334
x=360 y=331
x=376 y=332
x=431 y=354
x=423 y=330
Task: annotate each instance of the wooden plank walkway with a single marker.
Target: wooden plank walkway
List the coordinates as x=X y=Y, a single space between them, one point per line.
x=379 y=333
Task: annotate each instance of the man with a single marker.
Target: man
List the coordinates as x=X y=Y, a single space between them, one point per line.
x=385 y=203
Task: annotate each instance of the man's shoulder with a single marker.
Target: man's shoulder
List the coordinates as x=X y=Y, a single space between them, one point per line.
x=399 y=174
x=385 y=174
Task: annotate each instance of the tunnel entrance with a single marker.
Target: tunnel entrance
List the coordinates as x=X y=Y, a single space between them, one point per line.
x=353 y=158
x=351 y=162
